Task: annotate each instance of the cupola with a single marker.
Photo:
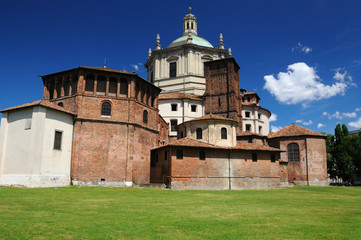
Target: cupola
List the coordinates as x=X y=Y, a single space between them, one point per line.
x=189 y=23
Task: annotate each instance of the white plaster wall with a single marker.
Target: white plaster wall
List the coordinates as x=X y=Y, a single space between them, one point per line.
x=254 y=121
x=25 y=155
x=183 y=112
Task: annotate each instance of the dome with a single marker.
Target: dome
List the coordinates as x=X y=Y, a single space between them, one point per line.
x=195 y=40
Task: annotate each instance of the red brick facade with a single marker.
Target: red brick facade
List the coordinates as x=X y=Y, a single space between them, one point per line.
x=113 y=148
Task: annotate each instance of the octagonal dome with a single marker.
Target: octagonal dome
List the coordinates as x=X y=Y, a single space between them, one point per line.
x=195 y=40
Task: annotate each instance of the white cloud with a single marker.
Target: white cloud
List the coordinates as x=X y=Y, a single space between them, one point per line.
x=320 y=125
x=301 y=84
x=275 y=128
x=356 y=124
x=343 y=115
x=299 y=121
x=307 y=123
x=135 y=67
x=273 y=117
x=302 y=48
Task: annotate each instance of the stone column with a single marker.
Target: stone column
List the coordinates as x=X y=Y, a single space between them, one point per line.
x=107 y=87
x=95 y=84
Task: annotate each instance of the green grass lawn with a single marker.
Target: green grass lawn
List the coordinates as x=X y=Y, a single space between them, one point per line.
x=131 y=213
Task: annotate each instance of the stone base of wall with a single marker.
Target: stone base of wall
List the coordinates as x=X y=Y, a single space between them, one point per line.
x=314 y=182
x=35 y=181
x=103 y=183
x=223 y=183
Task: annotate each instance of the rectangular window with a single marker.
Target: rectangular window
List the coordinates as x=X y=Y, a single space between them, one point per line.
x=174 y=107
x=194 y=108
x=57 y=140
x=179 y=154
x=273 y=158
x=259 y=129
x=248 y=114
x=28 y=124
x=151 y=76
x=173 y=69
x=254 y=157
x=173 y=125
x=165 y=155
x=202 y=155
x=248 y=127
x=259 y=116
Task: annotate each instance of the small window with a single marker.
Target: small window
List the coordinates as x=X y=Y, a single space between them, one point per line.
x=254 y=157
x=173 y=125
x=194 y=108
x=248 y=127
x=219 y=102
x=223 y=133
x=259 y=129
x=179 y=154
x=145 y=116
x=187 y=25
x=199 y=133
x=57 y=140
x=28 y=124
x=173 y=69
x=250 y=140
x=248 y=114
x=202 y=155
x=151 y=76
x=106 y=109
x=259 y=116
x=273 y=158
x=60 y=104
x=192 y=25
x=181 y=134
x=293 y=152
x=174 y=107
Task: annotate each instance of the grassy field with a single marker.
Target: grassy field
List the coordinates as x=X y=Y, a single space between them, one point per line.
x=131 y=213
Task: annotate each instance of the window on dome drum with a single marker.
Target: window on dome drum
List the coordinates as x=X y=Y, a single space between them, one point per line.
x=57 y=140
x=106 y=109
x=254 y=157
x=202 y=155
x=174 y=107
x=173 y=69
x=179 y=154
x=89 y=83
x=248 y=127
x=199 y=133
x=194 y=108
x=293 y=152
x=113 y=84
x=273 y=158
x=101 y=85
x=223 y=133
x=192 y=25
x=173 y=124
x=247 y=114
x=145 y=116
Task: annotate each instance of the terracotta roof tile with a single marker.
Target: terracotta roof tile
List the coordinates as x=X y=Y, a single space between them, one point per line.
x=212 y=117
x=44 y=103
x=179 y=96
x=109 y=70
x=187 y=142
x=294 y=130
x=248 y=133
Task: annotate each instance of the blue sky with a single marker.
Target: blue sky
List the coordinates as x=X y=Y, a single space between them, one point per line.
x=303 y=57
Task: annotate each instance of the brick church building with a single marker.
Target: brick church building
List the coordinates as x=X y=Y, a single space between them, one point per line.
x=189 y=126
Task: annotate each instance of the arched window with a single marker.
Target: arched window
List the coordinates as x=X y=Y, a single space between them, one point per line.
x=145 y=116
x=60 y=104
x=223 y=133
x=293 y=152
x=199 y=133
x=106 y=109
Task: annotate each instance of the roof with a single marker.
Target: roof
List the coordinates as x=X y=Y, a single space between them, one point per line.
x=44 y=103
x=195 y=40
x=179 y=96
x=294 y=130
x=187 y=142
x=248 y=93
x=248 y=133
x=211 y=117
x=105 y=69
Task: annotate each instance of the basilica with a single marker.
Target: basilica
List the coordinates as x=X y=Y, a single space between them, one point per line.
x=190 y=125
